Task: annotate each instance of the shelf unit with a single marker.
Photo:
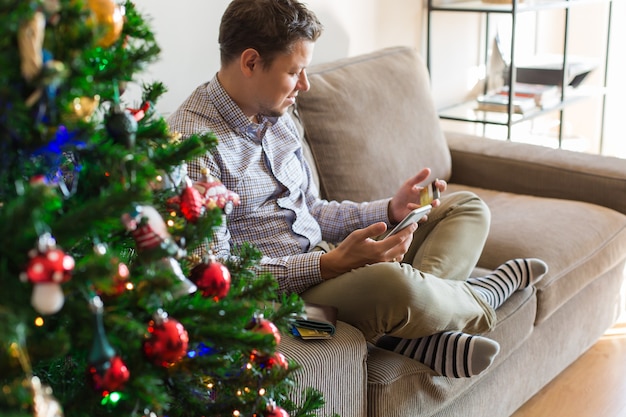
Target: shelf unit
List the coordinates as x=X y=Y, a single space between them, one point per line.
x=466 y=112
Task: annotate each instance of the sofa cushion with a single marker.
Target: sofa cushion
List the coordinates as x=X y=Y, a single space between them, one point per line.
x=579 y=241
x=372 y=106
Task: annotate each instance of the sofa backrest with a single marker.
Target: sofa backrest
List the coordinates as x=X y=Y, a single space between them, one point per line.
x=371 y=123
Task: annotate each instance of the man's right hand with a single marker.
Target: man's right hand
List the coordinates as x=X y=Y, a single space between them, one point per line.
x=360 y=249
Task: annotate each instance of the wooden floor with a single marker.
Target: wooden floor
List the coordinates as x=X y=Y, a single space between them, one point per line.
x=593 y=386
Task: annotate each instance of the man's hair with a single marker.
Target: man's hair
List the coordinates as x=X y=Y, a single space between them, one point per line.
x=271 y=27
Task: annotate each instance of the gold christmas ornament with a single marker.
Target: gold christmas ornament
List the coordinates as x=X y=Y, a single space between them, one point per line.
x=84 y=107
x=109 y=21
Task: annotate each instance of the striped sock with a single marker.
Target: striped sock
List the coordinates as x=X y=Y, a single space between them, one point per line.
x=451 y=354
x=509 y=277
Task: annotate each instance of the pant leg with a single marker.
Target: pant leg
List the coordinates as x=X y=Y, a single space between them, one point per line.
x=449 y=244
x=395 y=298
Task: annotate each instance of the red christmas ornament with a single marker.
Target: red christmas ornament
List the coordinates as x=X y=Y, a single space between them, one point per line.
x=212 y=278
x=52 y=265
x=263 y=325
x=147 y=227
x=141 y=112
x=275 y=411
x=106 y=369
x=167 y=341
x=191 y=203
x=269 y=361
x=215 y=194
x=112 y=377
x=47 y=268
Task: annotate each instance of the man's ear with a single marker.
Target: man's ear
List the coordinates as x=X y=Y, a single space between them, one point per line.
x=249 y=61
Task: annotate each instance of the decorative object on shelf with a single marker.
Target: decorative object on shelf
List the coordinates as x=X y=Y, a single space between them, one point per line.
x=548 y=70
x=500 y=103
x=545 y=95
x=514 y=50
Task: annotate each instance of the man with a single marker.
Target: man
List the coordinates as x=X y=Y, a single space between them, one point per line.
x=327 y=251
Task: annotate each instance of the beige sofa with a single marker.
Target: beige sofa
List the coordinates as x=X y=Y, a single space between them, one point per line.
x=371 y=123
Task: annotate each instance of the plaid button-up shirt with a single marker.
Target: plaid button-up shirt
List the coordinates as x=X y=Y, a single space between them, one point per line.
x=280 y=211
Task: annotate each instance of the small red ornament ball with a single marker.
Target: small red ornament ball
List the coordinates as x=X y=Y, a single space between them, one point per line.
x=167 y=342
x=212 y=278
x=263 y=325
x=276 y=411
x=112 y=378
x=269 y=361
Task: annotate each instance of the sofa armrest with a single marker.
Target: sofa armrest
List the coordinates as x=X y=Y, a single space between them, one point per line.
x=335 y=367
x=537 y=170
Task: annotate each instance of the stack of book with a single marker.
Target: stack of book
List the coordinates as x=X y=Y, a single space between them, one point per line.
x=528 y=97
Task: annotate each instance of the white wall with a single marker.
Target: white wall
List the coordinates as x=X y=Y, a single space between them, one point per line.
x=187 y=34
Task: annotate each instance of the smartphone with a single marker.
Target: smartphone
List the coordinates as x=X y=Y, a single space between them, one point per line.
x=429 y=193
x=413 y=217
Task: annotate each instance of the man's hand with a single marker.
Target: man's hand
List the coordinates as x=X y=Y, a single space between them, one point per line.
x=407 y=197
x=360 y=249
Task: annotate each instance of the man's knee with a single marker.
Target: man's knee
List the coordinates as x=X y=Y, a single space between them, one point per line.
x=467 y=203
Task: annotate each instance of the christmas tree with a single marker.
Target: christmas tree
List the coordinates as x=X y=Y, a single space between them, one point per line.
x=112 y=303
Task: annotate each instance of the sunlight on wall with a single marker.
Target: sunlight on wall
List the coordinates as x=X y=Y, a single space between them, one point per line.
x=187 y=34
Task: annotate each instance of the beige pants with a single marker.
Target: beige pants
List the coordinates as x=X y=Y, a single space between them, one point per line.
x=427 y=293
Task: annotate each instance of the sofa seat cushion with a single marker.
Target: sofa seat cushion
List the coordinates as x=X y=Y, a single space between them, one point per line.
x=332 y=366
x=372 y=110
x=579 y=241
x=402 y=387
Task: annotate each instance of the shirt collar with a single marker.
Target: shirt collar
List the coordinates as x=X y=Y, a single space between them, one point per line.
x=234 y=116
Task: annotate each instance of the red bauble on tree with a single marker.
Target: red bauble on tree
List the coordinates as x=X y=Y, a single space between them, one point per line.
x=262 y=325
x=273 y=410
x=212 y=278
x=167 y=341
x=190 y=202
x=111 y=378
x=106 y=369
x=269 y=361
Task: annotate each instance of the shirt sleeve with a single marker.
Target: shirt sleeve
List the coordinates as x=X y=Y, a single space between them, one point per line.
x=294 y=273
x=338 y=219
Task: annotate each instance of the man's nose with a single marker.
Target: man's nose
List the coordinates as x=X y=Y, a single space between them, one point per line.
x=303 y=82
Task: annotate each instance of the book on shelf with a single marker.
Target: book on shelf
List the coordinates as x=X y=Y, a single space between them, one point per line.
x=499 y=103
x=544 y=95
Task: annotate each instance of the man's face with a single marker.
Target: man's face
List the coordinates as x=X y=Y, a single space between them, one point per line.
x=278 y=85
